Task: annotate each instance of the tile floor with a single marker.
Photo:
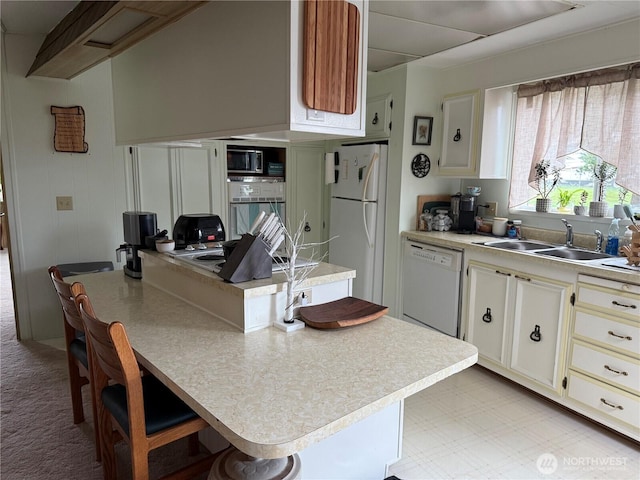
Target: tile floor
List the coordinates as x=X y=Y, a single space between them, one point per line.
x=475 y=425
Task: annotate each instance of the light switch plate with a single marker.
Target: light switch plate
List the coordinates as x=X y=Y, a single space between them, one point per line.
x=492 y=209
x=64 y=203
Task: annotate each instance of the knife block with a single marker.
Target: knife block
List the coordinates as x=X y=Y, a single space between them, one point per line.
x=249 y=260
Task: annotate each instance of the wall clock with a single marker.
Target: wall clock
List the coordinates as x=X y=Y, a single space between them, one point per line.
x=420 y=165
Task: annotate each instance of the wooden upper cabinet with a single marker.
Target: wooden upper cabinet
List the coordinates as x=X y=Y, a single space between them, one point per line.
x=331 y=46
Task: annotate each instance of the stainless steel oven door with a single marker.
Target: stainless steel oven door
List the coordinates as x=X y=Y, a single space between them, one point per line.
x=242 y=215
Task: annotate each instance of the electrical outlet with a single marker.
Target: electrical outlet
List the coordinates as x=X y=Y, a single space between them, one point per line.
x=64 y=203
x=304 y=298
x=492 y=209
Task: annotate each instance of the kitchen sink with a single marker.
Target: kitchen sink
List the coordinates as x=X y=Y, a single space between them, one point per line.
x=573 y=254
x=517 y=245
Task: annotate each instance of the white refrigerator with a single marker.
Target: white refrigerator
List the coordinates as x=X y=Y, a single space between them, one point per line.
x=358 y=216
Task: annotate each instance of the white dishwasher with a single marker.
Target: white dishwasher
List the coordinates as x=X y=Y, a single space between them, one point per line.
x=431 y=287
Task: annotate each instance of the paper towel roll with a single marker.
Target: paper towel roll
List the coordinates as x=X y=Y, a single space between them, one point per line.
x=329 y=168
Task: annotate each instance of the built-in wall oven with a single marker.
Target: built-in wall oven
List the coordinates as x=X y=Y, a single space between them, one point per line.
x=248 y=196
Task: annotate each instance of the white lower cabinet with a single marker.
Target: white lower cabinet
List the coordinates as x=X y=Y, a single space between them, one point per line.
x=604 y=366
x=518 y=322
x=487 y=311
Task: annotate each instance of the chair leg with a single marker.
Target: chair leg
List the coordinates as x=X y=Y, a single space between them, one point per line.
x=194 y=444
x=75 y=383
x=96 y=425
x=139 y=463
x=108 y=454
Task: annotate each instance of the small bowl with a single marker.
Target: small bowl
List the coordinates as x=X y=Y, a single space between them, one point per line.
x=165 y=245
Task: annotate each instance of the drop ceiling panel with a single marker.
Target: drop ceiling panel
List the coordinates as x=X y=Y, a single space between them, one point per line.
x=379 y=59
x=481 y=17
x=417 y=38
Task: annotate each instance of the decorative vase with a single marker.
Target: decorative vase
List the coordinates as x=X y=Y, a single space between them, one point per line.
x=579 y=210
x=598 y=209
x=543 y=204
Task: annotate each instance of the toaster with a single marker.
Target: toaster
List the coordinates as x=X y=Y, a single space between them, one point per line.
x=197 y=228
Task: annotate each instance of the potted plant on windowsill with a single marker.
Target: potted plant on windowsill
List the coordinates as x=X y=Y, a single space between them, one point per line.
x=618 y=210
x=546 y=178
x=564 y=197
x=602 y=172
x=579 y=209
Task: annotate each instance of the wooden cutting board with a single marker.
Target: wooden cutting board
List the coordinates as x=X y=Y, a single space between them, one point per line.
x=331 y=45
x=422 y=199
x=346 y=312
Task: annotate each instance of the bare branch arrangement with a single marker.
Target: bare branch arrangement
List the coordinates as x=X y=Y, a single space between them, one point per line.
x=297 y=275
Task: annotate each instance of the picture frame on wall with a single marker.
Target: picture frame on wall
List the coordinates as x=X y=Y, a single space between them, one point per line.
x=422 y=128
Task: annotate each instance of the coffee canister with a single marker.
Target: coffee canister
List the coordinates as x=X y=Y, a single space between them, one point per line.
x=499 y=228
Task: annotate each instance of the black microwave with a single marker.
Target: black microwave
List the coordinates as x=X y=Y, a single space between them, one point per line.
x=245 y=161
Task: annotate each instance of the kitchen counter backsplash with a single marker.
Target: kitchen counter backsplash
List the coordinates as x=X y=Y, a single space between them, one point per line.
x=558 y=237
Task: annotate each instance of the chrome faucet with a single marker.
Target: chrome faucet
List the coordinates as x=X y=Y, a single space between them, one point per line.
x=599 y=240
x=569 y=237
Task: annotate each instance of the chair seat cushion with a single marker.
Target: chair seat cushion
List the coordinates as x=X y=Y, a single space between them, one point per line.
x=162 y=408
x=78 y=349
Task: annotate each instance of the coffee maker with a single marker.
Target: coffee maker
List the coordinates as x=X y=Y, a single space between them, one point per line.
x=467 y=214
x=137 y=227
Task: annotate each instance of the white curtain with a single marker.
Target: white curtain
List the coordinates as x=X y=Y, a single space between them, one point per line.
x=598 y=112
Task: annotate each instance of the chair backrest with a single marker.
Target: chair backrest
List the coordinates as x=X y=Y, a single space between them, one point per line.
x=112 y=358
x=66 y=297
x=109 y=342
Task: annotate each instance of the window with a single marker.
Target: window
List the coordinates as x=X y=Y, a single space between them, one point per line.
x=576 y=123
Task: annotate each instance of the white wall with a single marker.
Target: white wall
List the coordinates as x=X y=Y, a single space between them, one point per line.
x=35 y=174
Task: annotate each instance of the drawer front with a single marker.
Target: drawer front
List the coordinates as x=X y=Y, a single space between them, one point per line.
x=622 y=337
x=608 y=401
x=619 y=371
x=611 y=284
x=625 y=304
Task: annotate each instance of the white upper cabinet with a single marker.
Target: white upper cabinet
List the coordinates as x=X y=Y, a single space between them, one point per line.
x=379 y=116
x=475 y=149
x=238 y=69
x=460 y=134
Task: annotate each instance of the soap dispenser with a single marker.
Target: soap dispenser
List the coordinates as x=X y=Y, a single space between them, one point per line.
x=612 y=238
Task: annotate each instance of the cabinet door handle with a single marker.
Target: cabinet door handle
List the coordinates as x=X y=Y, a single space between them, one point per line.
x=307 y=227
x=612 y=405
x=457 y=136
x=527 y=279
x=375 y=119
x=486 y=318
x=624 y=305
x=624 y=337
x=536 y=336
x=617 y=372
x=507 y=274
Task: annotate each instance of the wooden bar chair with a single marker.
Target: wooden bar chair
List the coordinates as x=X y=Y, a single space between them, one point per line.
x=77 y=357
x=131 y=406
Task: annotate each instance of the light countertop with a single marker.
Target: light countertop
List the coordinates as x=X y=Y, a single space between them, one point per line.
x=472 y=243
x=272 y=393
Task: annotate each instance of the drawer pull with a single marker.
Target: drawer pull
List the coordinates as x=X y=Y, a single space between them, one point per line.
x=486 y=318
x=612 y=405
x=617 y=372
x=624 y=305
x=520 y=277
x=506 y=274
x=624 y=337
x=536 y=336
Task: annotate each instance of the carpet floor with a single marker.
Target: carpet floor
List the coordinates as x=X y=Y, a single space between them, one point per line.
x=38 y=439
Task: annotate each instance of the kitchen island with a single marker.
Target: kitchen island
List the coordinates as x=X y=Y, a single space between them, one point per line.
x=249 y=306
x=335 y=397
